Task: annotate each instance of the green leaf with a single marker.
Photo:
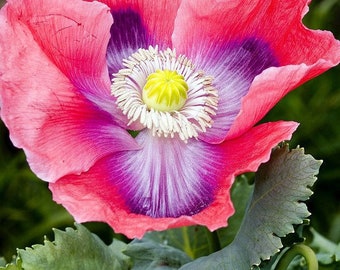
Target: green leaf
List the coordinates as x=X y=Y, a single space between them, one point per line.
x=11 y=266
x=240 y=193
x=192 y=240
x=147 y=255
x=337 y=253
x=15 y=265
x=280 y=187
x=328 y=252
x=74 y=249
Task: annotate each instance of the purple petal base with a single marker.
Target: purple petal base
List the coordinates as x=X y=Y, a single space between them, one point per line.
x=166 y=178
x=234 y=66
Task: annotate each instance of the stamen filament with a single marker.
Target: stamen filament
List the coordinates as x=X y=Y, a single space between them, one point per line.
x=178 y=100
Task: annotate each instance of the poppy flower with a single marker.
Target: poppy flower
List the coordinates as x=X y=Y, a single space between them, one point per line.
x=141 y=113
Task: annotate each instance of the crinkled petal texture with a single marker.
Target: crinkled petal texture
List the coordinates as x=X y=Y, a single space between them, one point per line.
x=55 y=99
x=205 y=28
x=48 y=77
x=186 y=177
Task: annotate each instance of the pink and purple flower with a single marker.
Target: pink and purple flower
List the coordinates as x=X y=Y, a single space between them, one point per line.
x=141 y=113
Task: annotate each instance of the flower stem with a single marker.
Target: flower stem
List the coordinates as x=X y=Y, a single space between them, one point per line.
x=213 y=241
x=299 y=249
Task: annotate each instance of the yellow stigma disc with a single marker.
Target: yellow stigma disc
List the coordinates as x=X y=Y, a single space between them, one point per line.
x=165 y=90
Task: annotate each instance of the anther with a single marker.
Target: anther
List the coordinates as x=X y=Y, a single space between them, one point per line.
x=165 y=93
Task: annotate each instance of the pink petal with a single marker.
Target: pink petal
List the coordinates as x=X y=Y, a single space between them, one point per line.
x=268 y=88
x=157 y=16
x=276 y=23
x=279 y=23
x=95 y=195
x=60 y=131
x=74 y=37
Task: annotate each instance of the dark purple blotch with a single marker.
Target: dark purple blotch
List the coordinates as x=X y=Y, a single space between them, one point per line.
x=128 y=34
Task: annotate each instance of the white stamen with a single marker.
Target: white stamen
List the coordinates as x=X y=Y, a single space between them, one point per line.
x=195 y=115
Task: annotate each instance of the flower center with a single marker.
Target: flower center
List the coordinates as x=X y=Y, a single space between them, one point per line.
x=165 y=91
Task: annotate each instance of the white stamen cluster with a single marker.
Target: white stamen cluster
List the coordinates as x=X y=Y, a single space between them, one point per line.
x=193 y=118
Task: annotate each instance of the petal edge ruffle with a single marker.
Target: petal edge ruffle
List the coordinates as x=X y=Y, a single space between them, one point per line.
x=89 y=198
x=45 y=114
x=269 y=88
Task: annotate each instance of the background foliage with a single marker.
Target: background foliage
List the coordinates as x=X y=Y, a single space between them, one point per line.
x=27 y=211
